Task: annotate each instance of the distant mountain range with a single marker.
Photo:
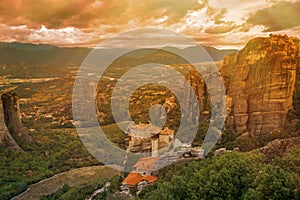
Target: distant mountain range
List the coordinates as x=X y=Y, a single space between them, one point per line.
x=42 y=54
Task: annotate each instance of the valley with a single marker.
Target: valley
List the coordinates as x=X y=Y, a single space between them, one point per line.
x=261 y=83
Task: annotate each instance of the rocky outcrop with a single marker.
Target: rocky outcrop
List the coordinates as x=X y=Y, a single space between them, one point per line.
x=198 y=86
x=5 y=137
x=279 y=147
x=260 y=81
x=12 y=117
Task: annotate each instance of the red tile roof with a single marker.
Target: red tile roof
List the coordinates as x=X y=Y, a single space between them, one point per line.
x=150 y=179
x=132 y=179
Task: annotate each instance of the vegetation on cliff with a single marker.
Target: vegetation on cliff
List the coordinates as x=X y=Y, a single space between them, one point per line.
x=234 y=175
x=230 y=176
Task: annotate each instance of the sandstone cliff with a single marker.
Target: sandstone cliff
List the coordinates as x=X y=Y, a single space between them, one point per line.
x=260 y=81
x=198 y=85
x=12 y=117
x=5 y=137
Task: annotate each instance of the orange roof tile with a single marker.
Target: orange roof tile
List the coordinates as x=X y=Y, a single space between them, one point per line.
x=132 y=179
x=146 y=164
x=150 y=179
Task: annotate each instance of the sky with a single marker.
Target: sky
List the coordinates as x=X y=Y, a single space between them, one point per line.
x=224 y=24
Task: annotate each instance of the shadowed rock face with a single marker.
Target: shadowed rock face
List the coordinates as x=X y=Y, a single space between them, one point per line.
x=12 y=117
x=199 y=88
x=5 y=138
x=261 y=81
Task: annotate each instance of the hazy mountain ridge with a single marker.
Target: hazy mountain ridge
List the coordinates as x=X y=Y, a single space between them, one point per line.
x=41 y=54
x=32 y=54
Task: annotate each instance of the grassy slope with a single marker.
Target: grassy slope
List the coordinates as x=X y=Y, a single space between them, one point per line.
x=73 y=178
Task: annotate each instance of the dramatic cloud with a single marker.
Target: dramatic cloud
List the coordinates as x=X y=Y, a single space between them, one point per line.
x=281 y=16
x=220 y=23
x=86 y=13
x=63 y=36
x=14 y=33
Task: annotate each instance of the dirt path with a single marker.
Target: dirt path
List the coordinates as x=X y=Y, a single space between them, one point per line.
x=73 y=178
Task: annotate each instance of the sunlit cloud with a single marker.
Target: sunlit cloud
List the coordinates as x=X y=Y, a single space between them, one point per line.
x=14 y=33
x=218 y=23
x=63 y=36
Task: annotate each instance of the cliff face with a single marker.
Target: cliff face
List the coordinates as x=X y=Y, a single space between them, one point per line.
x=199 y=88
x=5 y=138
x=12 y=117
x=260 y=81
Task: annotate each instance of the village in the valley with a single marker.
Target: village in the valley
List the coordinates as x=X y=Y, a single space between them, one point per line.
x=149 y=139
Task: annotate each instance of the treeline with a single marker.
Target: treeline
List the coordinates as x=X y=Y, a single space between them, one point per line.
x=231 y=176
x=234 y=175
x=55 y=151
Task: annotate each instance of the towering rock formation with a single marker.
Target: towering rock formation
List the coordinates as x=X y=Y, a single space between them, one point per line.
x=199 y=88
x=12 y=117
x=261 y=81
x=5 y=138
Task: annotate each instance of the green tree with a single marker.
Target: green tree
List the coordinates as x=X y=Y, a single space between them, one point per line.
x=273 y=182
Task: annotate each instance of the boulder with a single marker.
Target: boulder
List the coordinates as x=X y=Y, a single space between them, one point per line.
x=220 y=152
x=197 y=152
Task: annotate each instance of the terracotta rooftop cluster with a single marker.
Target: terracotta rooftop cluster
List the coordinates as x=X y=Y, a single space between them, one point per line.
x=143 y=165
x=134 y=178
